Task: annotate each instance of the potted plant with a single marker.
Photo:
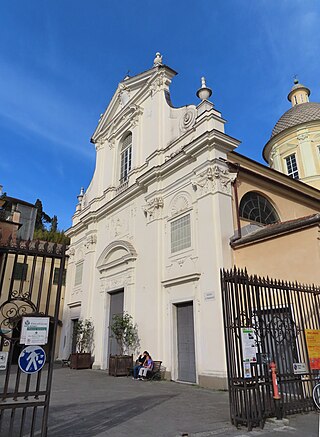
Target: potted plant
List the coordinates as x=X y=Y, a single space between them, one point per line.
x=82 y=358
x=125 y=333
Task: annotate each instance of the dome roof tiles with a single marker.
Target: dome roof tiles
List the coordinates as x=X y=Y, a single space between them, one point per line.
x=296 y=115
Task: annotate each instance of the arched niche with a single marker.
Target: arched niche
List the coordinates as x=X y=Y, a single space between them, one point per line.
x=116 y=253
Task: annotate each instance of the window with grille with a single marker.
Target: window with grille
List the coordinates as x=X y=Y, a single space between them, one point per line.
x=292 y=167
x=180 y=233
x=126 y=152
x=78 y=275
x=56 y=276
x=257 y=208
x=20 y=271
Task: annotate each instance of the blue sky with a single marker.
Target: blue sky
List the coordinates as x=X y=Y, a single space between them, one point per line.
x=61 y=61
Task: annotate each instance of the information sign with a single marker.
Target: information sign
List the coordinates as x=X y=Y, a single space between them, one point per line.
x=300 y=368
x=32 y=359
x=313 y=345
x=34 y=330
x=249 y=345
x=247 y=370
x=3 y=360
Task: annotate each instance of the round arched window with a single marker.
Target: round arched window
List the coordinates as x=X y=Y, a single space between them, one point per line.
x=257 y=208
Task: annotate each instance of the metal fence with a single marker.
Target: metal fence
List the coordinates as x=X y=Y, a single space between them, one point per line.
x=31 y=275
x=267 y=320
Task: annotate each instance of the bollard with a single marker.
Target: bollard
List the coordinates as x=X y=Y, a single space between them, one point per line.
x=276 y=395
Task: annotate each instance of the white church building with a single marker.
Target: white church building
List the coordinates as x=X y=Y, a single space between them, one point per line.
x=153 y=229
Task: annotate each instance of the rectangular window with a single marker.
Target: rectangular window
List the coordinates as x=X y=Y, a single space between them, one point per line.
x=180 y=233
x=20 y=271
x=125 y=164
x=56 y=276
x=78 y=275
x=292 y=167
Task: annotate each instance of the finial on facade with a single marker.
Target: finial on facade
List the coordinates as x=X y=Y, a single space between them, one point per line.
x=127 y=76
x=295 y=79
x=204 y=92
x=80 y=195
x=157 y=60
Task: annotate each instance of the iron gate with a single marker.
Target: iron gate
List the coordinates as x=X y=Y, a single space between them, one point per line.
x=31 y=276
x=277 y=313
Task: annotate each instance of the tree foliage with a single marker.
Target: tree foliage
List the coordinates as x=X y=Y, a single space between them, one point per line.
x=54 y=237
x=126 y=333
x=42 y=232
x=84 y=336
x=54 y=224
x=42 y=218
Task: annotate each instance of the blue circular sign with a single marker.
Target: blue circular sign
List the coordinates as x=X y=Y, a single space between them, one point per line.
x=32 y=359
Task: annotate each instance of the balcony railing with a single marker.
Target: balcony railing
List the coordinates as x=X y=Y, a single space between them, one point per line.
x=123 y=186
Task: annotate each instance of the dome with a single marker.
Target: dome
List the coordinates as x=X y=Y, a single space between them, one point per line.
x=298 y=114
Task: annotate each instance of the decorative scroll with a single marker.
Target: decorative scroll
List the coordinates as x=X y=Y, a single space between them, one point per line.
x=214 y=179
x=11 y=312
x=188 y=119
x=91 y=241
x=151 y=208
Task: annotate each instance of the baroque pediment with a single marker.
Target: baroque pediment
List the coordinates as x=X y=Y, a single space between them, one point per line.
x=125 y=107
x=126 y=119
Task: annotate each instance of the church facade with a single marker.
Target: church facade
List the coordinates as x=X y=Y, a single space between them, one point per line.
x=170 y=204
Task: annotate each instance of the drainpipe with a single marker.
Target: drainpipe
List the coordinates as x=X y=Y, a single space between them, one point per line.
x=236 y=199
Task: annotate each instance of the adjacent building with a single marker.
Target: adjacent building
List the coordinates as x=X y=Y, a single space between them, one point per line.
x=17 y=218
x=25 y=277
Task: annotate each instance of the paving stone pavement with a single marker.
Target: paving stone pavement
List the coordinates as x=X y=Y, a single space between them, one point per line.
x=89 y=403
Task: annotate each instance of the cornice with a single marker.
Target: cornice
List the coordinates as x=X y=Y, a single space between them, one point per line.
x=260 y=171
x=286 y=133
x=126 y=119
x=210 y=139
x=181 y=279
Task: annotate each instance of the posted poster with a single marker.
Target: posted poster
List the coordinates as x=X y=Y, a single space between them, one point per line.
x=300 y=368
x=313 y=345
x=34 y=330
x=249 y=345
x=247 y=370
x=3 y=360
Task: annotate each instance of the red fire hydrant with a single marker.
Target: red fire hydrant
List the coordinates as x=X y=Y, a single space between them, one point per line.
x=276 y=395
